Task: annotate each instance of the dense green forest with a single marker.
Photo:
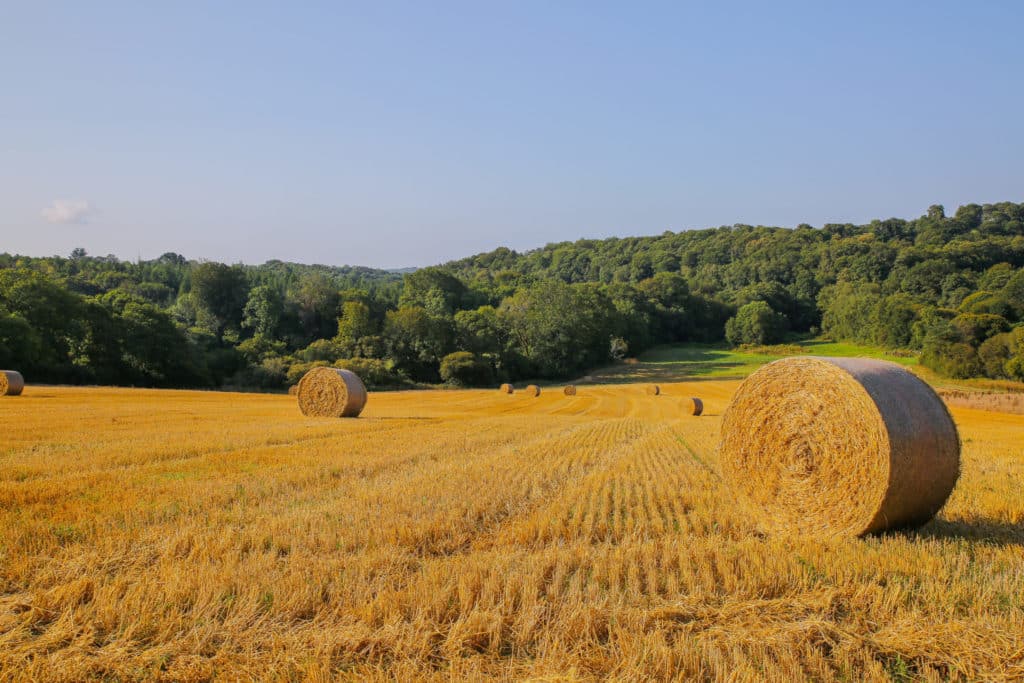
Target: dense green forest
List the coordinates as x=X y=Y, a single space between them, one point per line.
x=951 y=288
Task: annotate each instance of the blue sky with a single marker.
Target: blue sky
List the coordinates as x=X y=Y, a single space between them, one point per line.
x=405 y=134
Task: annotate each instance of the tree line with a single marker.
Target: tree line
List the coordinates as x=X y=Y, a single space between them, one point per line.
x=950 y=288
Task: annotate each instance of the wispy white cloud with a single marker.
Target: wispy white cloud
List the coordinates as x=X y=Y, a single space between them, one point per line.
x=67 y=211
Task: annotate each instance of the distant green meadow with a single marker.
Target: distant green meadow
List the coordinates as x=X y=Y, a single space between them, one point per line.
x=679 y=362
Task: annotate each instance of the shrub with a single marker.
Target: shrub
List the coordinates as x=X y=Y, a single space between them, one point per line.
x=374 y=372
x=958 y=361
x=986 y=302
x=260 y=348
x=977 y=327
x=321 y=349
x=463 y=368
x=755 y=323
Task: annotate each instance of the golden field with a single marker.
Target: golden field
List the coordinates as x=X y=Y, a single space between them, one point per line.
x=172 y=535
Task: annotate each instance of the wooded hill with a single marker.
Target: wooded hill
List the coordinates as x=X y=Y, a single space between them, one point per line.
x=951 y=288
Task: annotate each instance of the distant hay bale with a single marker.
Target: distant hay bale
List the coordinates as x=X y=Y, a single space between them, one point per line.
x=293 y=390
x=532 y=390
x=507 y=389
x=653 y=389
x=11 y=383
x=570 y=390
x=694 y=406
x=839 y=446
x=331 y=392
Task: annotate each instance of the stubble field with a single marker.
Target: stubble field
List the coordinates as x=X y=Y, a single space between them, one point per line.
x=169 y=535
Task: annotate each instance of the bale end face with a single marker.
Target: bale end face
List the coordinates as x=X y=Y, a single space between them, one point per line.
x=331 y=392
x=506 y=389
x=653 y=390
x=11 y=383
x=532 y=390
x=570 y=390
x=839 y=447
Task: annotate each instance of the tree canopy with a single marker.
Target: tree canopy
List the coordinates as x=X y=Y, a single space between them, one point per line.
x=951 y=288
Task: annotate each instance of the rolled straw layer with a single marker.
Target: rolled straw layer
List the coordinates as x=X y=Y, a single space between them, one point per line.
x=694 y=406
x=331 y=392
x=570 y=390
x=11 y=383
x=839 y=446
x=507 y=389
x=532 y=390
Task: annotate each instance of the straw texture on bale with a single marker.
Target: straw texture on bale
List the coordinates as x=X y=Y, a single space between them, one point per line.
x=532 y=390
x=11 y=383
x=653 y=389
x=570 y=390
x=694 y=406
x=839 y=446
x=507 y=389
x=331 y=392
x=293 y=390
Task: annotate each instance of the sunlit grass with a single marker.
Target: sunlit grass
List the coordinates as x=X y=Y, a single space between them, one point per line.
x=679 y=362
x=150 y=535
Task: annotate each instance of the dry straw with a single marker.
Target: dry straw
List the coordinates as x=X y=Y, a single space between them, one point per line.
x=839 y=446
x=293 y=390
x=11 y=383
x=570 y=390
x=532 y=390
x=653 y=389
x=331 y=392
x=694 y=406
x=507 y=389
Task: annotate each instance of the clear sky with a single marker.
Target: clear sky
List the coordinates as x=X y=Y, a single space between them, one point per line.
x=404 y=134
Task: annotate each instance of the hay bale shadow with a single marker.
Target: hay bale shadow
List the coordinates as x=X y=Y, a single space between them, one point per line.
x=981 y=530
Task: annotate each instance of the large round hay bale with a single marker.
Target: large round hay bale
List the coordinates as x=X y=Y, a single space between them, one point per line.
x=507 y=389
x=532 y=390
x=331 y=392
x=839 y=446
x=694 y=406
x=293 y=390
x=570 y=390
x=11 y=383
x=653 y=389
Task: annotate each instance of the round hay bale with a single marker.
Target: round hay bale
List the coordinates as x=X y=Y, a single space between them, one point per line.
x=570 y=390
x=11 y=383
x=839 y=446
x=532 y=390
x=507 y=389
x=694 y=406
x=331 y=392
x=653 y=389
x=293 y=390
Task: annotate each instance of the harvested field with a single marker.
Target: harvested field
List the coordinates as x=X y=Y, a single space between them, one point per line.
x=980 y=400
x=191 y=536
